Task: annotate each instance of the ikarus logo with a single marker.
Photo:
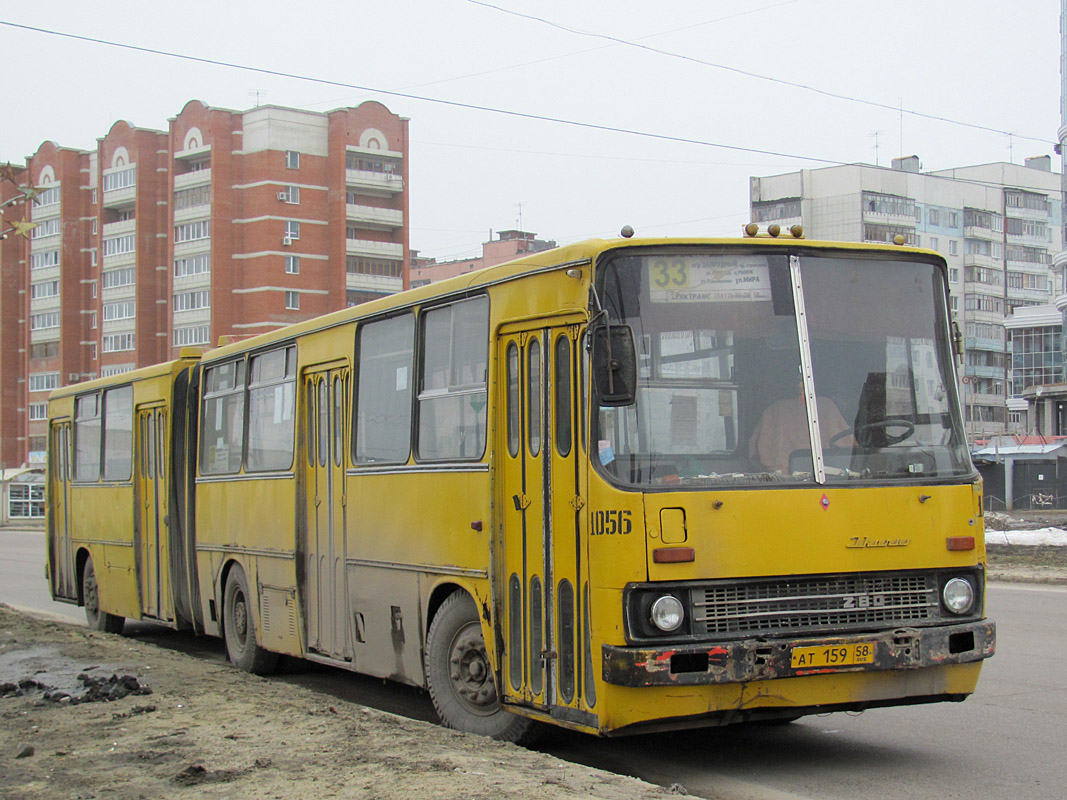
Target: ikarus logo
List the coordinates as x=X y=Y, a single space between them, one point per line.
x=863 y=541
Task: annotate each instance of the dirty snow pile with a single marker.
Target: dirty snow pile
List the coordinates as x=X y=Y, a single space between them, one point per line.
x=1041 y=536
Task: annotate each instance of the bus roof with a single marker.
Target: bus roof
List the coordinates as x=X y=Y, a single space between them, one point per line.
x=557 y=258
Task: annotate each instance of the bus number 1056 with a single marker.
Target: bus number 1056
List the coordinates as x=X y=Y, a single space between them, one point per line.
x=610 y=523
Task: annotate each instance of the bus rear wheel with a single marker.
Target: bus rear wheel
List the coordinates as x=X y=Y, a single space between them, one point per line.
x=239 y=627
x=460 y=677
x=96 y=619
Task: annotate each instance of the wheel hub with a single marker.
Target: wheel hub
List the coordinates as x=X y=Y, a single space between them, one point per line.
x=470 y=673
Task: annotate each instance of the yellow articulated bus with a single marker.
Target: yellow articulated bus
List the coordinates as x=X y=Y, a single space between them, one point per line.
x=617 y=486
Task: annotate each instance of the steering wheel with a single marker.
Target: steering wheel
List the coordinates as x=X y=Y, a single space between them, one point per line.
x=907 y=426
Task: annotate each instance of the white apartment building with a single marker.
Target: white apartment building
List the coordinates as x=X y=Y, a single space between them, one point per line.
x=998 y=226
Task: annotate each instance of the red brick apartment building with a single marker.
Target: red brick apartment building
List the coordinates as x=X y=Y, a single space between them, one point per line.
x=229 y=223
x=509 y=245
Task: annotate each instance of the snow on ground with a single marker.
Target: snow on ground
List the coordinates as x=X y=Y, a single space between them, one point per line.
x=1041 y=536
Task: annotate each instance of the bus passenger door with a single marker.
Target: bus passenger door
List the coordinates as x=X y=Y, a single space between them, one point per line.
x=152 y=512
x=541 y=505
x=325 y=595
x=63 y=578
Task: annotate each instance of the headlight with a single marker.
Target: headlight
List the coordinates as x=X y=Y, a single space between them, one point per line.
x=667 y=613
x=958 y=595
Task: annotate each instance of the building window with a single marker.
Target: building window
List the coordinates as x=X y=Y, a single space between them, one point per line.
x=365 y=163
x=124 y=310
x=191 y=335
x=26 y=500
x=192 y=301
x=120 y=245
x=50 y=227
x=192 y=231
x=884 y=204
x=118 y=277
x=292 y=159
x=49 y=197
x=38 y=411
x=292 y=229
x=44 y=350
x=40 y=322
x=193 y=265
x=292 y=301
x=117 y=342
x=45 y=289
x=953 y=275
x=933 y=217
x=292 y=265
x=196 y=196
x=92 y=320
x=92 y=257
x=935 y=243
x=123 y=179
x=93 y=200
x=953 y=247
x=49 y=258
x=357 y=265
x=290 y=194
x=116 y=369
x=43 y=381
x=95 y=229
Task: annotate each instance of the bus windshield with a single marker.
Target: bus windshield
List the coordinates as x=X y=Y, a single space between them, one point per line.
x=735 y=386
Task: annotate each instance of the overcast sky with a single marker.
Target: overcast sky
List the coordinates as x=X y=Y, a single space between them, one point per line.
x=982 y=62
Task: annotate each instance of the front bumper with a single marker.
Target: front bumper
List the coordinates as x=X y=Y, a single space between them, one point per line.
x=766 y=659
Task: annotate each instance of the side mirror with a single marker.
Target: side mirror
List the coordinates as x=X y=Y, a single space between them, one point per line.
x=615 y=365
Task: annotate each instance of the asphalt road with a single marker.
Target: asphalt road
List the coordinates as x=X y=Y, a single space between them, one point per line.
x=1008 y=740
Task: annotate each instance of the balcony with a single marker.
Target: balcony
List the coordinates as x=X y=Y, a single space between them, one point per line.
x=192 y=247
x=375 y=218
x=384 y=284
x=981 y=260
x=195 y=178
x=994 y=345
x=985 y=372
x=972 y=232
x=387 y=182
x=365 y=247
x=202 y=211
x=119 y=228
x=884 y=218
x=196 y=316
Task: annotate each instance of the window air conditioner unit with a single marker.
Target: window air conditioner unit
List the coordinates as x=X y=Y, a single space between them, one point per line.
x=283 y=195
x=287 y=240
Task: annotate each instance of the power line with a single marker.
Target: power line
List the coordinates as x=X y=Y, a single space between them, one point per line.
x=466 y=106
x=422 y=98
x=747 y=73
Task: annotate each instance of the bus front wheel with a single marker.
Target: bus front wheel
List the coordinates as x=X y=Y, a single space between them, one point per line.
x=460 y=677
x=239 y=627
x=96 y=619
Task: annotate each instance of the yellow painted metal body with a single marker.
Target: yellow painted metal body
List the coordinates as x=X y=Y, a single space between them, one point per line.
x=358 y=586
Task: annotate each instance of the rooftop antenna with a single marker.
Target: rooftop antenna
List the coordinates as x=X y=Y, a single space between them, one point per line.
x=256 y=93
x=901 y=99
x=520 y=215
x=876 y=134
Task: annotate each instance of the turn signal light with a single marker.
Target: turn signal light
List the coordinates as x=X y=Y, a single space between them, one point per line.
x=960 y=543
x=673 y=555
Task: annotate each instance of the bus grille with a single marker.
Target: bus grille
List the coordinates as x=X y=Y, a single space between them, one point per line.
x=819 y=602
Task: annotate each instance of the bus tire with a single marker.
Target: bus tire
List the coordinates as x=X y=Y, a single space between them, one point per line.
x=460 y=677
x=96 y=619
x=239 y=627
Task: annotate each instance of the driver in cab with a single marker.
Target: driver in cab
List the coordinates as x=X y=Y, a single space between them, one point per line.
x=783 y=428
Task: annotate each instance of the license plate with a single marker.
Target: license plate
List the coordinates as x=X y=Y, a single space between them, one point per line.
x=837 y=655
